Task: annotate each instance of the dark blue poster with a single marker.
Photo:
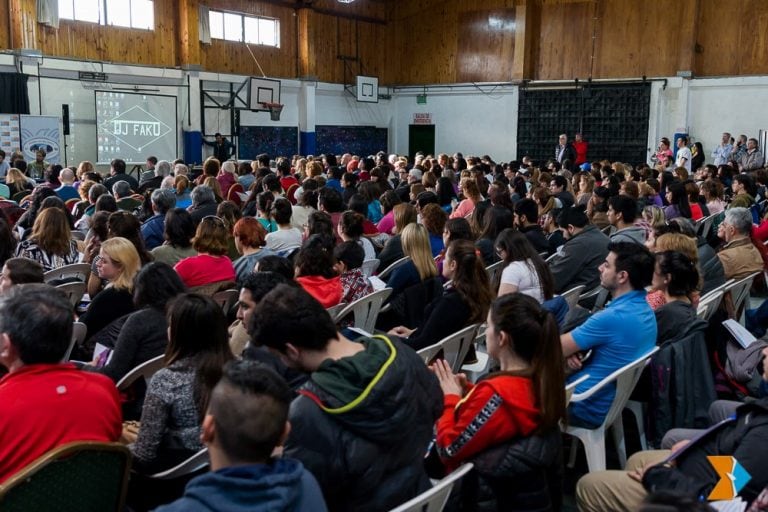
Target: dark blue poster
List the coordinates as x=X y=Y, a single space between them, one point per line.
x=358 y=140
x=273 y=140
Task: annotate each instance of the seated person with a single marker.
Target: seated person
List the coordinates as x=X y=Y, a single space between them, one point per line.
x=420 y=267
x=349 y=260
x=144 y=335
x=464 y=303
x=359 y=399
x=578 y=259
x=118 y=264
x=19 y=271
x=247 y=418
x=393 y=250
x=524 y=270
x=178 y=394
x=60 y=404
x=677 y=278
x=685 y=470
x=315 y=270
x=739 y=256
x=617 y=335
x=524 y=399
x=250 y=241
x=211 y=265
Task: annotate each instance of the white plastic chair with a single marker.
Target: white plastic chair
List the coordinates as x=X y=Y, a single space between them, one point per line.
x=708 y=304
x=594 y=439
x=196 y=462
x=79 y=271
x=571 y=388
x=572 y=296
x=74 y=292
x=146 y=369
x=454 y=347
x=739 y=291
x=366 y=309
x=703 y=226
x=476 y=370
x=79 y=330
x=434 y=499
x=335 y=310
x=369 y=267
x=387 y=271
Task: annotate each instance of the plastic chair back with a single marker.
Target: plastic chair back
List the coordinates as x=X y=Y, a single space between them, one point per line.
x=709 y=304
x=572 y=296
x=366 y=309
x=454 y=347
x=226 y=299
x=570 y=389
x=625 y=377
x=79 y=330
x=335 y=310
x=369 y=267
x=434 y=499
x=387 y=271
x=79 y=271
x=739 y=291
x=493 y=270
x=74 y=292
x=76 y=477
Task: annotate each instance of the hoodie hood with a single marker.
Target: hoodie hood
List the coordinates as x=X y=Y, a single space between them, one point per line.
x=372 y=393
x=273 y=486
x=631 y=234
x=327 y=291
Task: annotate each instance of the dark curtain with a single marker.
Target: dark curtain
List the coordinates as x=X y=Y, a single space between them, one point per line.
x=14 y=98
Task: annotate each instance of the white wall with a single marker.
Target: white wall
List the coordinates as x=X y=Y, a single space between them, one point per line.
x=471 y=118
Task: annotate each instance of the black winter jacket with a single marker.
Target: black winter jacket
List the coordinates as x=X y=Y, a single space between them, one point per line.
x=682 y=383
x=521 y=475
x=368 y=454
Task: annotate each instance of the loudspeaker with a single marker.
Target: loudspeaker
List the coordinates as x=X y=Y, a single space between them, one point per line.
x=65 y=118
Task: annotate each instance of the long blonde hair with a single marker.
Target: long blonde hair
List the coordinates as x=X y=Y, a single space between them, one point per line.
x=123 y=254
x=415 y=239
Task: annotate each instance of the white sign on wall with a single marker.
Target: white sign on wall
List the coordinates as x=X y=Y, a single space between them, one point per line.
x=40 y=132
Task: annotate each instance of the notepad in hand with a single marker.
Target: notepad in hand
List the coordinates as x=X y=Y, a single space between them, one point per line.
x=739 y=332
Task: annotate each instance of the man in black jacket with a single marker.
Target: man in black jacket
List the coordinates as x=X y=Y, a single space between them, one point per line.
x=526 y=217
x=685 y=470
x=362 y=423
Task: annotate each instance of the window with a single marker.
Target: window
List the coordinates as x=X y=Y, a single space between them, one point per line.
x=239 y=27
x=122 y=13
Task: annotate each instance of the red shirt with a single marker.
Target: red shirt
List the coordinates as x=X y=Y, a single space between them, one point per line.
x=328 y=292
x=581 y=152
x=205 y=269
x=493 y=411
x=48 y=405
x=287 y=181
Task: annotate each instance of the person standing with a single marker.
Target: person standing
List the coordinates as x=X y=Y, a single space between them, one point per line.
x=563 y=150
x=222 y=148
x=683 y=158
x=580 y=146
x=723 y=150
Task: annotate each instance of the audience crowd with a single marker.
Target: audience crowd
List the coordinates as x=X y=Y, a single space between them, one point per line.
x=234 y=274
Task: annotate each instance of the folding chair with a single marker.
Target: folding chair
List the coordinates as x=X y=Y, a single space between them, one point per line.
x=434 y=499
x=594 y=439
x=193 y=464
x=146 y=369
x=71 y=478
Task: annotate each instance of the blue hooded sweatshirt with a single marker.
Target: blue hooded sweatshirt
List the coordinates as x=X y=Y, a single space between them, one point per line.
x=281 y=485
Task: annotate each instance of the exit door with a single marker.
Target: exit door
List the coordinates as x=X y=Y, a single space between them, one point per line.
x=421 y=137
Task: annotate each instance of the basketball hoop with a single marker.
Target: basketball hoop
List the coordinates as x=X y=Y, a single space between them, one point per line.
x=274 y=110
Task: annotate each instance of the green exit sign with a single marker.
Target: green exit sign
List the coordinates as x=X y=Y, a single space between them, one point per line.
x=421 y=99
